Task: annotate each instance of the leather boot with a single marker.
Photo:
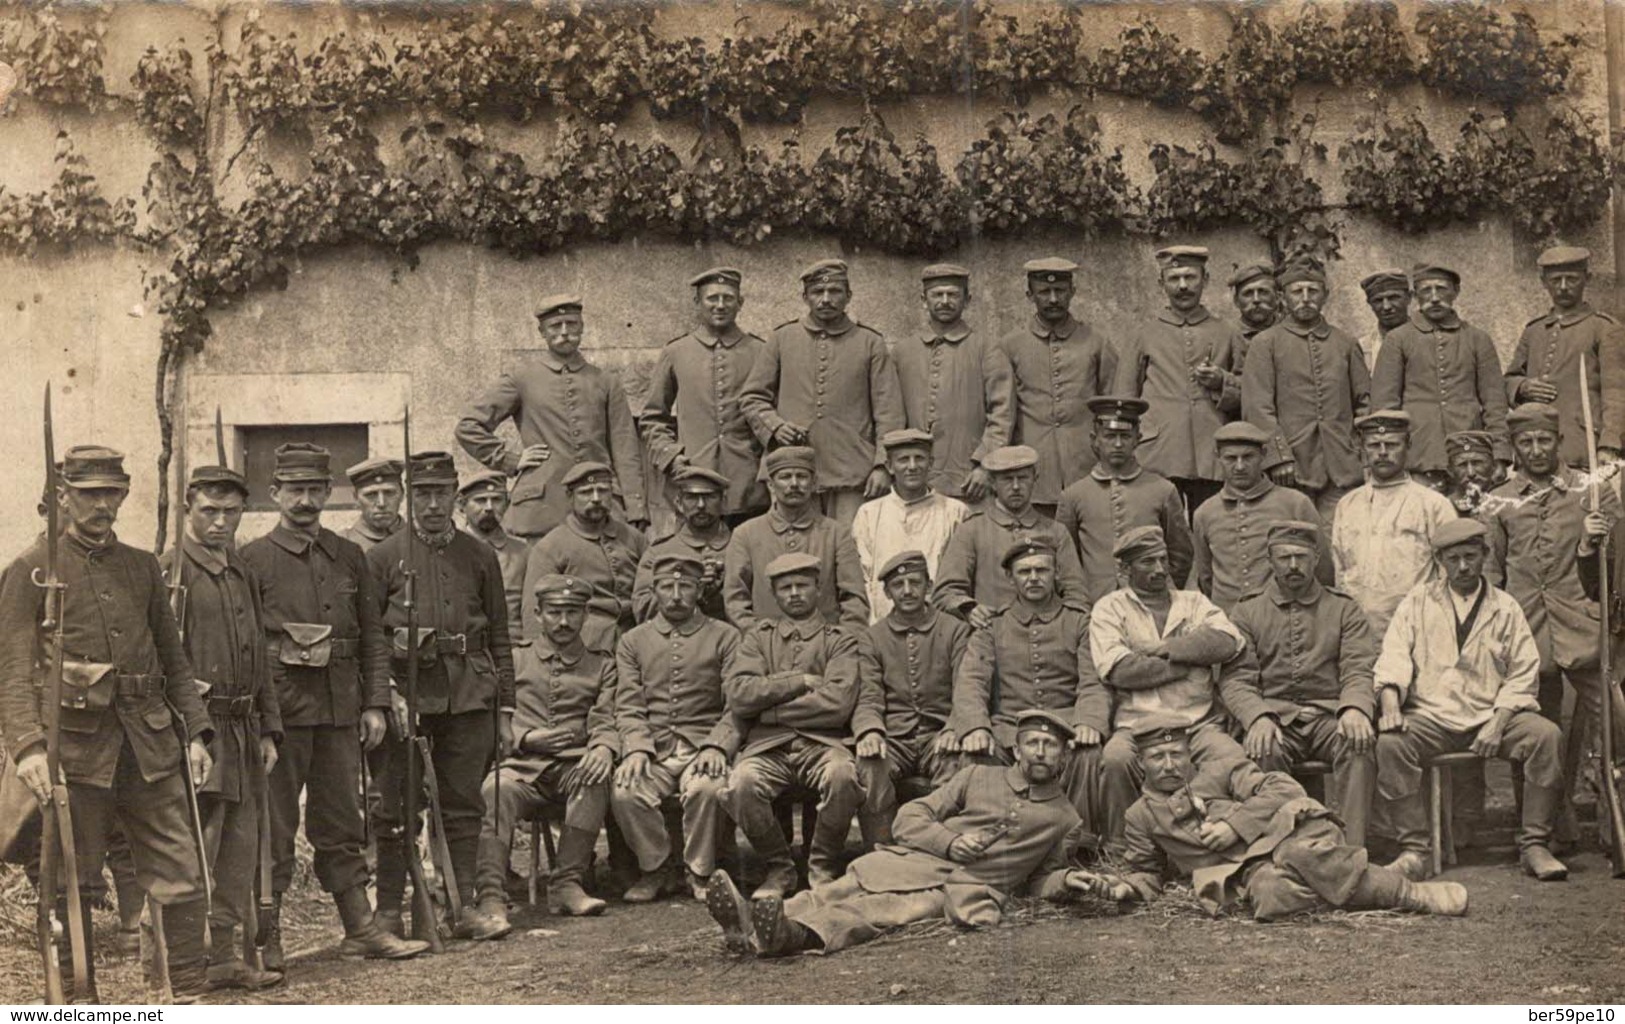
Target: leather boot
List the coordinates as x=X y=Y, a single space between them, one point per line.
x=730 y=911
x=1540 y=810
x=391 y=921
x=228 y=970
x=188 y=960
x=490 y=920
x=651 y=886
x=270 y=937
x=1413 y=864
x=363 y=937
x=564 y=892
x=1447 y=898
x=776 y=935
x=774 y=851
x=1359 y=782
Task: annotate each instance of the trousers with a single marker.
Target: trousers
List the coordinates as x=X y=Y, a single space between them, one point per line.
x=843 y=913
x=1315 y=867
x=323 y=762
x=906 y=757
x=526 y=789
x=831 y=772
x=1312 y=736
x=460 y=748
x=637 y=811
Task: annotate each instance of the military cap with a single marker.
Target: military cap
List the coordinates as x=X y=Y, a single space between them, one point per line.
x=1050 y=269
x=584 y=470
x=721 y=275
x=1434 y=271
x=91 y=465
x=1182 y=256
x=794 y=456
x=563 y=303
x=1241 y=432
x=910 y=559
x=1123 y=413
x=1301 y=270
x=1142 y=540
x=1460 y=531
x=218 y=476
x=373 y=471
x=1251 y=272
x=1157 y=729
x=1469 y=441
x=1384 y=421
x=1563 y=256
x=698 y=479
x=556 y=588
x=1532 y=416
x=1293 y=531
x=824 y=269
x=300 y=462
x=905 y=438
x=484 y=480
x=1008 y=458
x=433 y=468
x=794 y=562
x=944 y=271
x=677 y=565
x=1390 y=279
x=1039 y=720
x=1027 y=546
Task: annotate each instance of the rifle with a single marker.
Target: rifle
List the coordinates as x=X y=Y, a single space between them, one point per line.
x=1614 y=832
x=59 y=860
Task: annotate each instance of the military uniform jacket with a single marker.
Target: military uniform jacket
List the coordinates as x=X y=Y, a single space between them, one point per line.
x=969 y=572
x=1042 y=830
x=768 y=691
x=115 y=612
x=1230 y=531
x=322 y=580
x=459 y=593
x=1155 y=364
x=225 y=643
x=669 y=686
x=609 y=562
x=1448 y=378
x=1306 y=386
x=555 y=690
x=362 y=536
x=575 y=408
x=1056 y=371
x=957 y=387
x=906 y=687
x=1101 y=507
x=692 y=409
x=837 y=382
x=711 y=550
x=1030 y=657
x=512 y=554
x=747 y=593
x=1311 y=651
x=1552 y=347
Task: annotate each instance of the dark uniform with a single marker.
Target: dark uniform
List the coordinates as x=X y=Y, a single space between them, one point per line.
x=125 y=679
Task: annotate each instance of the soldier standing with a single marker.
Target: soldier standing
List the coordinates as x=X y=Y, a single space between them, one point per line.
x=1388 y=293
x=702 y=532
x=484 y=501
x=378 y=491
x=1257 y=298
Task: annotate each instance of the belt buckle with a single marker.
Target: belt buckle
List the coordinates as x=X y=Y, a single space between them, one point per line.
x=462 y=643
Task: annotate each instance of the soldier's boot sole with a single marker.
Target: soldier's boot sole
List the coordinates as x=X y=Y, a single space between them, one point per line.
x=731 y=911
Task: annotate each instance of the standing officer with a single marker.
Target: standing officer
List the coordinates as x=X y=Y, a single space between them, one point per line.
x=567 y=411
x=123 y=670
x=330 y=661
x=223 y=636
x=593 y=545
x=1388 y=293
x=465 y=688
x=1444 y=372
x=702 y=532
x=956 y=387
x=675 y=739
x=913 y=517
x=1546 y=364
x=1118 y=495
x=692 y=416
x=378 y=491
x=484 y=502
x=1058 y=364
x=827 y=382
x=1184 y=365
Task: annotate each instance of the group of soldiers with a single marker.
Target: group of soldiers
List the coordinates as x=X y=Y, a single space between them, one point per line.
x=1009 y=604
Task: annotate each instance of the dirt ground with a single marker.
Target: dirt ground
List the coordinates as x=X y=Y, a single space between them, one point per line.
x=1523 y=942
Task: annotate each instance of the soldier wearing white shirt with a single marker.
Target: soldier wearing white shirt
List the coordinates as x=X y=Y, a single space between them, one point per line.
x=913 y=517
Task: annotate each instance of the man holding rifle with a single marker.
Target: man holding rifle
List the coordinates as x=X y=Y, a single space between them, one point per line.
x=122 y=671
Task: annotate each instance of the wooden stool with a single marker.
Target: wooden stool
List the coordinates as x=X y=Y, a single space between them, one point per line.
x=1441 y=827
x=541 y=834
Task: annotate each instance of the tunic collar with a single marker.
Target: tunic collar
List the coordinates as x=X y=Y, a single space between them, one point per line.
x=1170 y=315
x=1106 y=476
x=1027 y=614
x=717 y=541
x=497 y=538
x=214 y=562
x=953 y=334
x=1263 y=487
x=776 y=520
x=1004 y=517
x=1320 y=329
x=363 y=528
x=1561 y=481
x=806 y=629
x=1426 y=326
x=666 y=627
x=298 y=542
x=834 y=330
x=557 y=365
x=611 y=530
x=1060 y=332
x=1039 y=792
x=925 y=625
x=567 y=656
x=1570 y=317
x=729 y=338
x=1310 y=598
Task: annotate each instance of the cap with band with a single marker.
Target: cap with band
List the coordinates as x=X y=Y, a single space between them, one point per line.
x=486 y=480
x=218 y=476
x=794 y=563
x=584 y=471
x=373 y=471
x=556 y=588
x=1389 y=280
x=903 y=560
x=558 y=304
x=717 y=275
x=301 y=462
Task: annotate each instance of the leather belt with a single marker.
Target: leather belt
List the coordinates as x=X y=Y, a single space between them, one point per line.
x=231 y=707
x=138 y=685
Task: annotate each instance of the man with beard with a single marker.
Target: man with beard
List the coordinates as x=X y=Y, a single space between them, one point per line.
x=912 y=517
x=1473 y=471
x=691 y=417
x=957 y=388
x=1305 y=384
x=827 y=382
x=1058 y=364
x=1444 y=372
x=971 y=581
x=567 y=411
x=1546 y=364
x=1388 y=293
x=990 y=833
x=1257 y=298
x=1119 y=495
x=591 y=544
x=484 y=502
x=702 y=532
x=330 y=662
x=378 y=492
x=1184 y=365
